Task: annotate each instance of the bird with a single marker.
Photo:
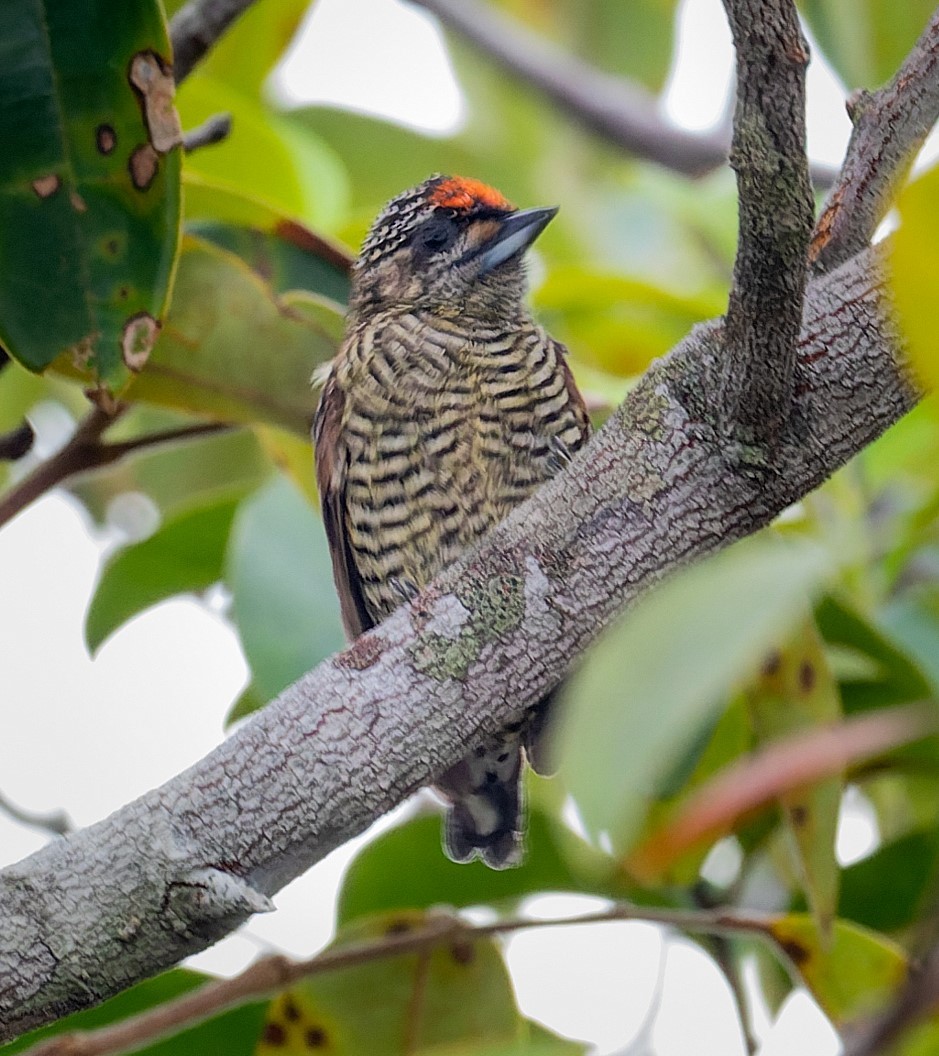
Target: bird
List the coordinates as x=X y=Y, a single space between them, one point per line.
x=445 y=407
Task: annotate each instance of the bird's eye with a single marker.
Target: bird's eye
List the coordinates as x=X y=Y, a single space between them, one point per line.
x=437 y=234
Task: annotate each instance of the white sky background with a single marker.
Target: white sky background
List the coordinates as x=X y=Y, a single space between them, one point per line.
x=89 y=736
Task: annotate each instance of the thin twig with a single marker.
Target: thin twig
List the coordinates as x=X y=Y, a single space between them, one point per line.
x=85 y=451
x=196 y=27
x=275 y=973
x=211 y=131
x=57 y=823
x=890 y=126
x=764 y=312
x=617 y=109
x=725 y=957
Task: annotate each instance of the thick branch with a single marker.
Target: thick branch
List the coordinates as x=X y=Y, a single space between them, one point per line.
x=890 y=126
x=776 y=210
x=659 y=485
x=196 y=27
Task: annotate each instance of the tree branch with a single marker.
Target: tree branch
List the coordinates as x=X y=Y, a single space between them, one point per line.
x=272 y=974
x=620 y=111
x=196 y=27
x=890 y=126
x=776 y=210
x=659 y=485
x=85 y=451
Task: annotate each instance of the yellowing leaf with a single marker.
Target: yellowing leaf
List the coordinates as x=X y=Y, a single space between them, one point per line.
x=854 y=975
x=458 y=991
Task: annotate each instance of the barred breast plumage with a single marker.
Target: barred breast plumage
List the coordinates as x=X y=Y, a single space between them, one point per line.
x=446 y=407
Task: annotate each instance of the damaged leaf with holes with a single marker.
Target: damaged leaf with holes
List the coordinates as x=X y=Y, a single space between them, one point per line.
x=457 y=991
x=89 y=184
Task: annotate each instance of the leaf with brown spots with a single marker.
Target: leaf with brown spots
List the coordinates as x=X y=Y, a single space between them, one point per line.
x=86 y=119
x=459 y=992
x=851 y=973
x=798 y=692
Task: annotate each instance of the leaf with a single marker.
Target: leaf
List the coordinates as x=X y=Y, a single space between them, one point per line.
x=852 y=976
x=231 y=1034
x=614 y=323
x=89 y=189
x=784 y=766
x=646 y=690
x=287 y=167
x=795 y=691
x=185 y=555
x=633 y=40
x=284 y=262
x=281 y=250
x=458 y=991
x=247 y=703
x=914 y=272
x=895 y=677
x=907 y=868
x=866 y=40
x=231 y=349
x=249 y=49
x=284 y=603
x=406 y=869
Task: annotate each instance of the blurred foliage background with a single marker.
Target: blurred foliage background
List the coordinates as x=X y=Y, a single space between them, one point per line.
x=242 y=252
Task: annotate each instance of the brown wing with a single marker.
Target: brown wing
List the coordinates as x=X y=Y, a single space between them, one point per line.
x=578 y=406
x=330 y=455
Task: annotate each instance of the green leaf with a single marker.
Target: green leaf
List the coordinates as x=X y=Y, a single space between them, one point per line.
x=866 y=40
x=249 y=50
x=247 y=703
x=458 y=991
x=89 y=195
x=614 y=323
x=285 y=262
x=914 y=272
x=888 y=889
x=646 y=690
x=633 y=40
x=284 y=601
x=281 y=250
x=185 y=555
x=232 y=349
x=851 y=975
x=266 y=155
x=405 y=868
x=795 y=691
x=231 y=1034
x=893 y=678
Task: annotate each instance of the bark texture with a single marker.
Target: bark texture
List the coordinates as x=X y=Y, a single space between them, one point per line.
x=663 y=482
